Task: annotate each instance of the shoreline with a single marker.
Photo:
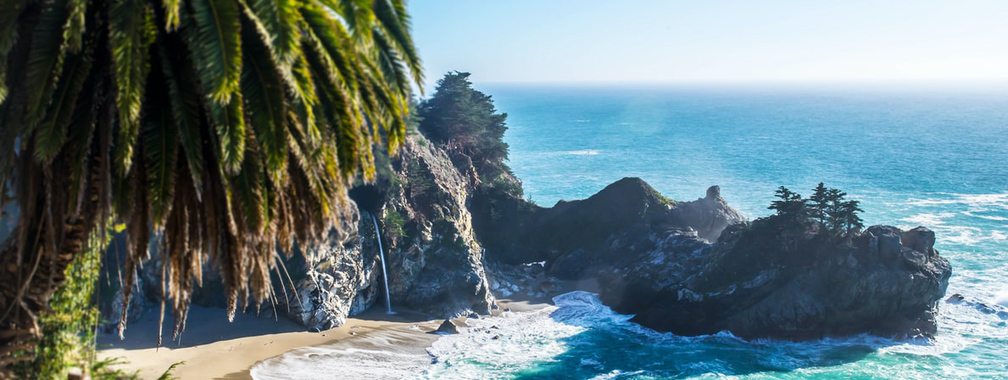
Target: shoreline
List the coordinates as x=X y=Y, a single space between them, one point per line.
x=213 y=348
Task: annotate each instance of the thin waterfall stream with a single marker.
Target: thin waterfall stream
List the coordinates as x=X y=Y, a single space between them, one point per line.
x=381 y=252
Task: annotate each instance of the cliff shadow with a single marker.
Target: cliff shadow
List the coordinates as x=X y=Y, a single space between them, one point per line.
x=399 y=314
x=204 y=325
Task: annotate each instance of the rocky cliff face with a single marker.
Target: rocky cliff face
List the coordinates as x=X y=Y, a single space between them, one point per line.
x=578 y=238
x=332 y=281
x=435 y=261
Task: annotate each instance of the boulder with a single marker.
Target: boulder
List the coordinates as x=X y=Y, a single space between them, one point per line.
x=919 y=239
x=447 y=327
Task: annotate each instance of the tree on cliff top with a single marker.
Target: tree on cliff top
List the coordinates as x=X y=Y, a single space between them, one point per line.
x=791 y=206
x=826 y=206
x=226 y=128
x=464 y=120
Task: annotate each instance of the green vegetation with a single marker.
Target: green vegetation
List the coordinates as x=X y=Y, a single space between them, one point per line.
x=394 y=223
x=225 y=129
x=464 y=120
x=826 y=208
x=68 y=330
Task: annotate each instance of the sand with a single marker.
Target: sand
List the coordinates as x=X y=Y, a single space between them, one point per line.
x=212 y=348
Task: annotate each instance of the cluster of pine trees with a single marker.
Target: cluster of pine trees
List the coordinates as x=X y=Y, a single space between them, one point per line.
x=827 y=207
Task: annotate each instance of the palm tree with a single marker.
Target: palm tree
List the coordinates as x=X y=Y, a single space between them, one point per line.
x=226 y=129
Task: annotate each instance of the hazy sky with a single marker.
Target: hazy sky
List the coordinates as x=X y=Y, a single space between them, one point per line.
x=699 y=40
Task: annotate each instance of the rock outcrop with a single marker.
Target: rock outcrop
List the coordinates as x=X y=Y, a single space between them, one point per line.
x=708 y=216
x=697 y=267
x=754 y=284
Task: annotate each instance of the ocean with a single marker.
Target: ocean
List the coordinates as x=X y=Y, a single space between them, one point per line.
x=913 y=155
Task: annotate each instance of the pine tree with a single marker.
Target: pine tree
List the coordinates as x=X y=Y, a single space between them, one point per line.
x=819 y=202
x=851 y=221
x=791 y=206
x=465 y=120
x=834 y=210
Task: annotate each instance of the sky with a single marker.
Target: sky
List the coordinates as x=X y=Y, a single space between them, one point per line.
x=659 y=41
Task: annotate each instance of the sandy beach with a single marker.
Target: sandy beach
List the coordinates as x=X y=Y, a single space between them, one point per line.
x=212 y=348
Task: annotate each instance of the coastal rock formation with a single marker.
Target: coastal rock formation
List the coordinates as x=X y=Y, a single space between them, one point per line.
x=691 y=268
x=578 y=238
x=697 y=267
x=755 y=284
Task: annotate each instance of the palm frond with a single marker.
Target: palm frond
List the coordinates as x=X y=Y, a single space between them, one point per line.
x=52 y=131
x=229 y=122
x=45 y=60
x=216 y=47
x=280 y=20
x=131 y=32
x=10 y=10
x=183 y=98
x=394 y=22
x=171 y=14
x=73 y=30
x=266 y=105
x=392 y=68
x=161 y=147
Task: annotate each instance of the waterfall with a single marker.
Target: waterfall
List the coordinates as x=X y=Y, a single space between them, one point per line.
x=381 y=252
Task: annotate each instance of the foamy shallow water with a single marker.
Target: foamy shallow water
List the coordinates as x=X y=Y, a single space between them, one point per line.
x=580 y=338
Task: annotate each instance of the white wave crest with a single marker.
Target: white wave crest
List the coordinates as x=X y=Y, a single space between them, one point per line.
x=322 y=362
x=997 y=200
x=499 y=347
x=1002 y=298
x=582 y=152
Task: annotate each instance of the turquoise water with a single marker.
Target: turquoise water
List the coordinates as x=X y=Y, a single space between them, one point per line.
x=914 y=156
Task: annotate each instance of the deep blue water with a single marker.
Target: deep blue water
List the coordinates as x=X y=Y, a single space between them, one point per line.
x=936 y=157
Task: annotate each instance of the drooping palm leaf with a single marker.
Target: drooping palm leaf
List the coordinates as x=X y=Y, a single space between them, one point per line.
x=45 y=60
x=216 y=47
x=131 y=30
